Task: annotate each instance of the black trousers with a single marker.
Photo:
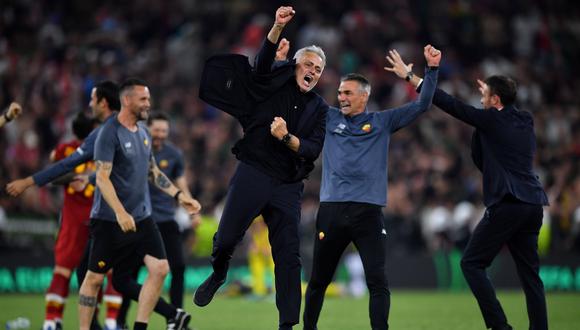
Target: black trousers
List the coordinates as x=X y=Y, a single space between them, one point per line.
x=252 y=193
x=174 y=248
x=125 y=279
x=337 y=225
x=517 y=225
x=172 y=241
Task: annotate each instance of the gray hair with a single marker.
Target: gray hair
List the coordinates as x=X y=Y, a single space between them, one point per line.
x=365 y=85
x=311 y=49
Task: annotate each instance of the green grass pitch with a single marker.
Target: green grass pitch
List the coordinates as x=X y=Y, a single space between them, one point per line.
x=412 y=310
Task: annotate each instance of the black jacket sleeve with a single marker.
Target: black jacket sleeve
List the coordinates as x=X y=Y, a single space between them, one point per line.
x=311 y=145
x=265 y=57
x=471 y=115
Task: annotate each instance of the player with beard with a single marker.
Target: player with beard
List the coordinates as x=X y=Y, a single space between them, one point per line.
x=122 y=231
x=170 y=161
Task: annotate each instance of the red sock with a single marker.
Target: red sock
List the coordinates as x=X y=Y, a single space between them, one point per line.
x=56 y=297
x=113 y=299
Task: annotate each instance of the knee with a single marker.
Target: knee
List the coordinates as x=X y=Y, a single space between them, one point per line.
x=66 y=272
x=315 y=285
x=318 y=283
x=377 y=282
x=158 y=268
x=225 y=243
x=287 y=257
x=468 y=264
x=93 y=280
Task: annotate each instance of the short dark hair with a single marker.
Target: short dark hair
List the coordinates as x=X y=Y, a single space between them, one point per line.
x=362 y=80
x=130 y=83
x=109 y=91
x=82 y=125
x=157 y=116
x=504 y=87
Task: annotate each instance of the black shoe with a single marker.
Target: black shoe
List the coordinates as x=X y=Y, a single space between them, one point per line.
x=180 y=321
x=503 y=327
x=204 y=294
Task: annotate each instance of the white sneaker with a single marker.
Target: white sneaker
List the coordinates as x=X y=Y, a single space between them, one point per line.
x=49 y=325
x=110 y=324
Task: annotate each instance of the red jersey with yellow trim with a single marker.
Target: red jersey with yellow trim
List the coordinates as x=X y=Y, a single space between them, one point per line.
x=73 y=233
x=73 y=198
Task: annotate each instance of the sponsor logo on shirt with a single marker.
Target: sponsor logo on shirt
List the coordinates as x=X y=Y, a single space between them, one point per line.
x=163 y=163
x=127 y=145
x=367 y=128
x=339 y=128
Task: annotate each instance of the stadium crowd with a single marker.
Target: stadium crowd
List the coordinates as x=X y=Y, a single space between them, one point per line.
x=53 y=52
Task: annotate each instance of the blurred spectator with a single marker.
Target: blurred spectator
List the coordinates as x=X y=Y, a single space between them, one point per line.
x=53 y=52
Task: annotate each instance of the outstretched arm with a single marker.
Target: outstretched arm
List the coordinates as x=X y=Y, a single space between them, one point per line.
x=283 y=16
x=267 y=53
x=466 y=113
x=82 y=155
x=405 y=114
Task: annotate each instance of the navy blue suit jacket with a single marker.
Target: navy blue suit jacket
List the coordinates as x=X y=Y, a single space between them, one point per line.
x=502 y=147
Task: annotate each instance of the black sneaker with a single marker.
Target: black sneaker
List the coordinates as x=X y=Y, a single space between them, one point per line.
x=180 y=321
x=204 y=294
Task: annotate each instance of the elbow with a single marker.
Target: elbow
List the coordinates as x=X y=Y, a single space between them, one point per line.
x=309 y=153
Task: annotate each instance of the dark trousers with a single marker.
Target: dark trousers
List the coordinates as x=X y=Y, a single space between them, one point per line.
x=252 y=193
x=125 y=281
x=174 y=248
x=517 y=225
x=337 y=225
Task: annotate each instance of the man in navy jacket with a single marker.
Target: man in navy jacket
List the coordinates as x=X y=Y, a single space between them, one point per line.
x=503 y=147
x=283 y=122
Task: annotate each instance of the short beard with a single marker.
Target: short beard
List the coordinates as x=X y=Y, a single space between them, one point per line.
x=143 y=115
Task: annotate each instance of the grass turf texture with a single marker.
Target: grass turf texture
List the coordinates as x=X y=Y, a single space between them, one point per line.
x=409 y=310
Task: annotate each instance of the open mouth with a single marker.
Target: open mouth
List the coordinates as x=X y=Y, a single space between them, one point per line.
x=308 y=79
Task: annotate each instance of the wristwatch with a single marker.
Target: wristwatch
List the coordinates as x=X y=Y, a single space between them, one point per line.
x=286 y=138
x=410 y=75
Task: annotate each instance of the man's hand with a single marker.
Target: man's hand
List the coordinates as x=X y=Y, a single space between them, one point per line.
x=126 y=221
x=432 y=55
x=17 y=187
x=278 y=128
x=284 y=15
x=195 y=220
x=79 y=182
x=482 y=87
x=282 y=51
x=191 y=205
x=14 y=111
x=398 y=65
